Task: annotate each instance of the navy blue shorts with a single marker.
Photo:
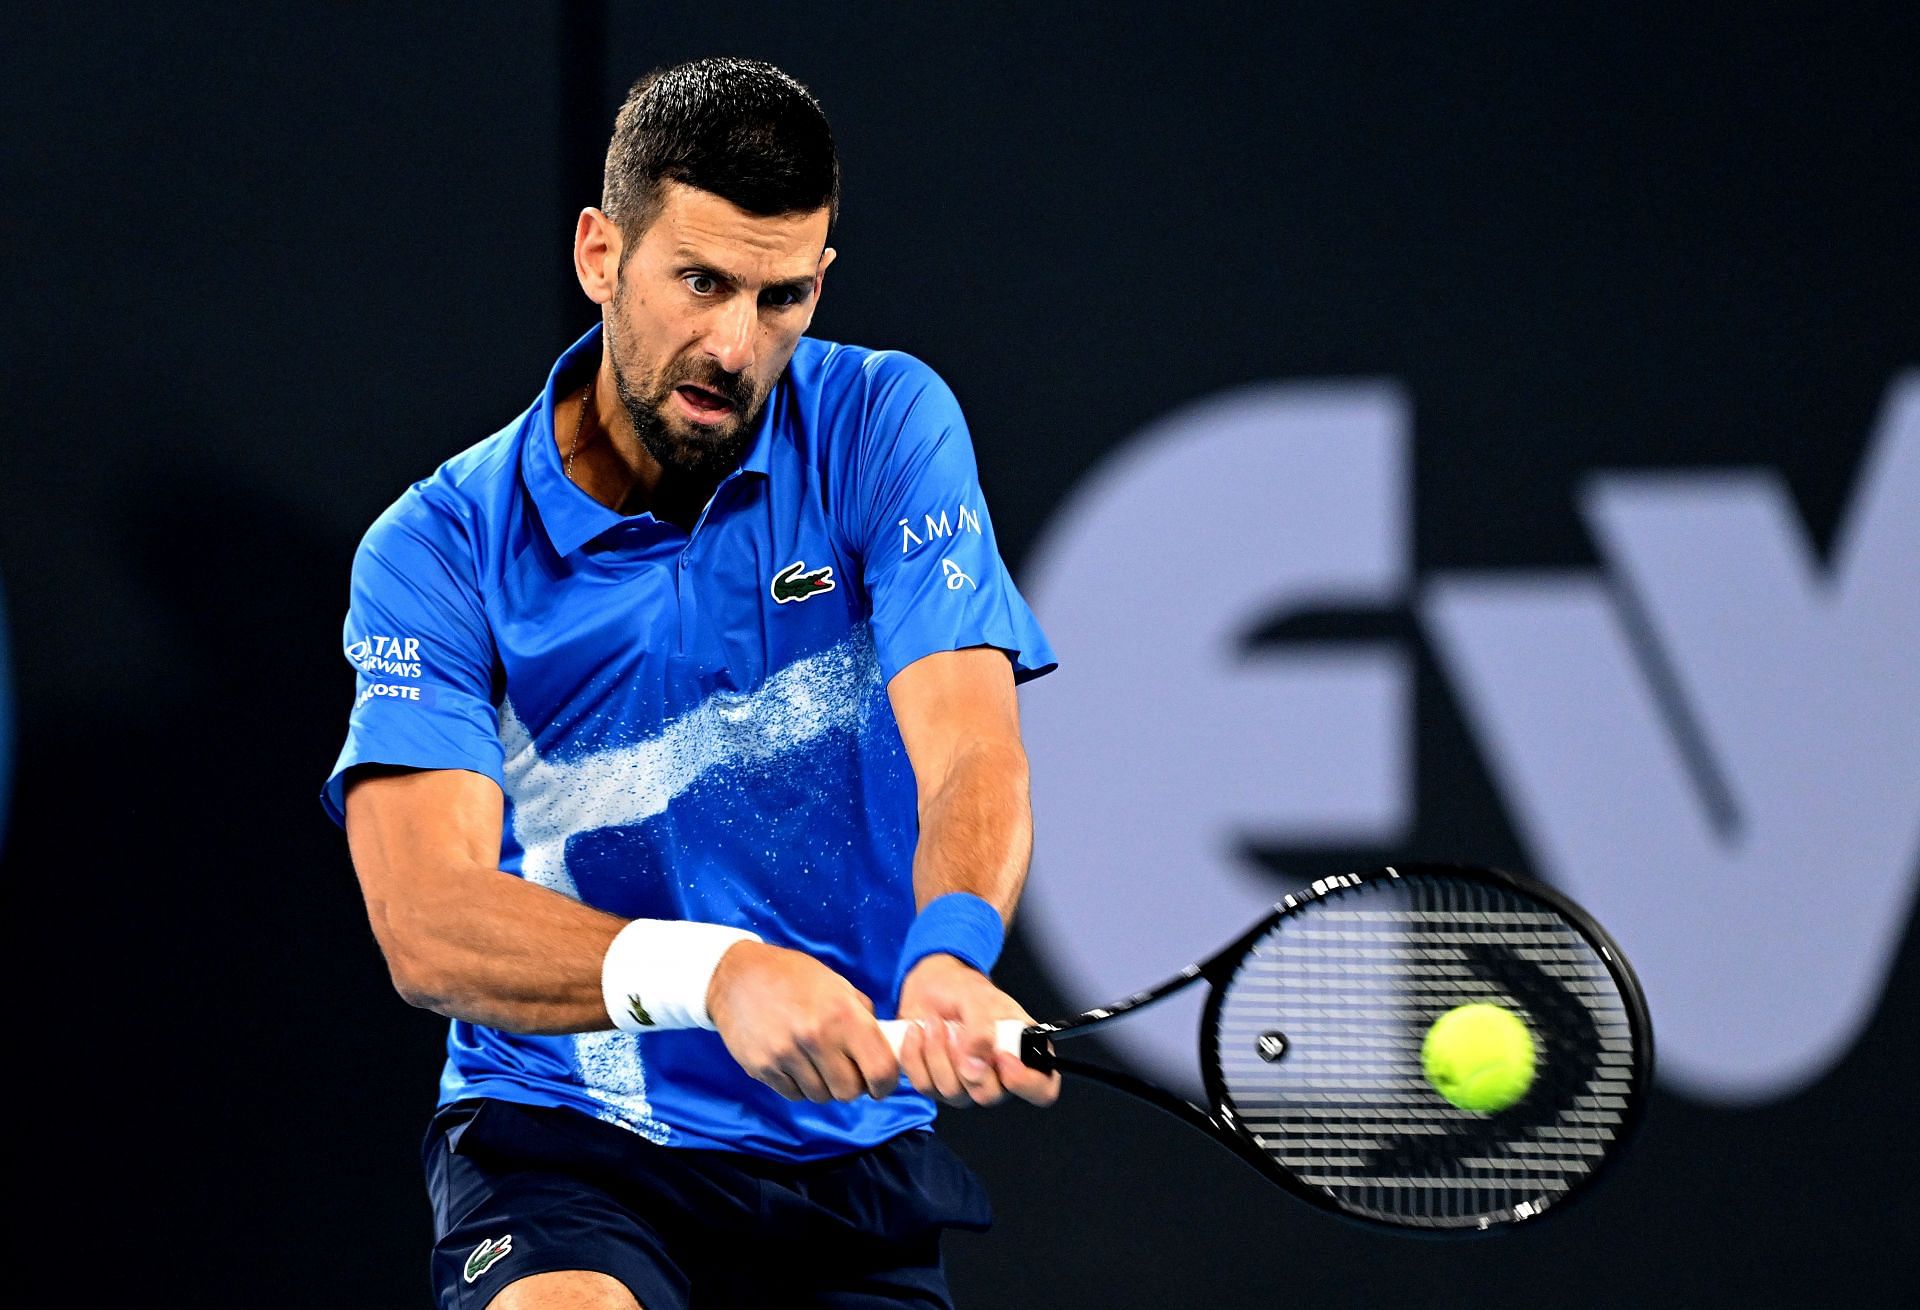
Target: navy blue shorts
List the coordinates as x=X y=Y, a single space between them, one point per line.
x=521 y=1190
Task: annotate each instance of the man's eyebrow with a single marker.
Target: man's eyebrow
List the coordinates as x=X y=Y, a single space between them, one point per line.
x=693 y=259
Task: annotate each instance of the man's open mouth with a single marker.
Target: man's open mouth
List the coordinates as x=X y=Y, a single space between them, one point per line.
x=703 y=401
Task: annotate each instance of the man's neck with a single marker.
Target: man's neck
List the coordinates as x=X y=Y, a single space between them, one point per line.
x=611 y=464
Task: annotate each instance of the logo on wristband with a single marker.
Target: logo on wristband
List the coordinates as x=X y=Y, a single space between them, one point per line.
x=639 y=1012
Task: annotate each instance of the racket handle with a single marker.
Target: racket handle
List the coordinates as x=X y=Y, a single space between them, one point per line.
x=1006 y=1034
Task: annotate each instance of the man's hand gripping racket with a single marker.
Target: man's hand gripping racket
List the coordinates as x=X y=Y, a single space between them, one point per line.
x=1311 y=1047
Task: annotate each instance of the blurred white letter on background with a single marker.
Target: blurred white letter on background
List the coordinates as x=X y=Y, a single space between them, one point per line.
x=1713 y=741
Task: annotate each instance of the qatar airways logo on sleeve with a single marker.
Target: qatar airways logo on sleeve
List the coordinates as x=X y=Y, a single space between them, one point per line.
x=386 y=657
x=1712 y=739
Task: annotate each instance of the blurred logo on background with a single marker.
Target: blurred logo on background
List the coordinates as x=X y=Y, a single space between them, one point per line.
x=1712 y=740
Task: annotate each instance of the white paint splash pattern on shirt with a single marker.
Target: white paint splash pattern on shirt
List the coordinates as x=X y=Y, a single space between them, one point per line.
x=554 y=800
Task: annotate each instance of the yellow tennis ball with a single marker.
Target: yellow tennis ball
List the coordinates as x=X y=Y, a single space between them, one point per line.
x=1480 y=1057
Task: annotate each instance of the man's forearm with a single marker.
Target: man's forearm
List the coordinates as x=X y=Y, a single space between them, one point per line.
x=491 y=949
x=976 y=829
x=976 y=836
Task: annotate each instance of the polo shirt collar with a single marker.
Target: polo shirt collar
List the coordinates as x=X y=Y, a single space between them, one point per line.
x=571 y=517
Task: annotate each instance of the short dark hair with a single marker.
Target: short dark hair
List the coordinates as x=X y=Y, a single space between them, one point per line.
x=738 y=128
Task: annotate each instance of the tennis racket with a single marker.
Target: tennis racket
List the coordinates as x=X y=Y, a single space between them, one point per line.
x=1310 y=1047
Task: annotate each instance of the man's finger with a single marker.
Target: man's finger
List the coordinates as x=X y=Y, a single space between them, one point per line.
x=984 y=1013
x=874 y=1059
x=1028 y=1084
x=982 y=1080
x=913 y=1059
x=840 y=1074
x=938 y=1050
x=800 y=1070
x=782 y=1084
x=972 y=1043
x=973 y=1048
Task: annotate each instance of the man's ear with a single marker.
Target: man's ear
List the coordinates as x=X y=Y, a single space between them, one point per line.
x=596 y=255
x=820 y=280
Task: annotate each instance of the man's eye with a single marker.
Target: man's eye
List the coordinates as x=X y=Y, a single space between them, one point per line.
x=783 y=298
x=701 y=284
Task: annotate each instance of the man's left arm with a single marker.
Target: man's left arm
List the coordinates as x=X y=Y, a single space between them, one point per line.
x=960 y=723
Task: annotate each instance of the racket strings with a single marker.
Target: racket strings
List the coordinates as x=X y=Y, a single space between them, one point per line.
x=1352 y=981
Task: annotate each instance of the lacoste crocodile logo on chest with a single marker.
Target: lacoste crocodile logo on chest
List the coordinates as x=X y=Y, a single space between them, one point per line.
x=796 y=582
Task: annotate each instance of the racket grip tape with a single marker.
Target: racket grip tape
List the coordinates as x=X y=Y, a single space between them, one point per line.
x=1007 y=1035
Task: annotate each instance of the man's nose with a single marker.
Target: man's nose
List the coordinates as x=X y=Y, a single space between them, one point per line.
x=730 y=334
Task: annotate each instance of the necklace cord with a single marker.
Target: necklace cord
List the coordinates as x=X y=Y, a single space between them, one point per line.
x=579 y=424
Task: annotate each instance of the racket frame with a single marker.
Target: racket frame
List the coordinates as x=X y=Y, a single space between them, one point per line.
x=1222 y=1124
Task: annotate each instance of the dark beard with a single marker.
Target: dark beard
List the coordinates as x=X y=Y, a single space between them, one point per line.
x=697 y=454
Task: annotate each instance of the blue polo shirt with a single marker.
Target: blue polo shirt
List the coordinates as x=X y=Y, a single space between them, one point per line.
x=691 y=725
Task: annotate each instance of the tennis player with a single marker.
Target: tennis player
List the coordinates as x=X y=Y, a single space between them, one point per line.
x=685 y=742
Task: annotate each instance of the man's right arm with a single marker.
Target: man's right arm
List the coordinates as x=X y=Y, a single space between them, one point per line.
x=470 y=941
x=461 y=937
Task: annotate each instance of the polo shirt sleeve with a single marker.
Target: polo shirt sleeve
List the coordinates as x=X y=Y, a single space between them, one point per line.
x=417 y=638
x=932 y=570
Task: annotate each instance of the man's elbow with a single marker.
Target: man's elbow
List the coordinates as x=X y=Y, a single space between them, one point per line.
x=418 y=985
x=1006 y=762
x=414 y=964
x=1016 y=766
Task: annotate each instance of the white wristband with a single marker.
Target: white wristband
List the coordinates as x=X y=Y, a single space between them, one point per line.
x=656 y=972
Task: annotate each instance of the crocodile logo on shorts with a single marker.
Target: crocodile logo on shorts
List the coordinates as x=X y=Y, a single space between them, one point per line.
x=488 y=1254
x=794 y=582
x=639 y=1012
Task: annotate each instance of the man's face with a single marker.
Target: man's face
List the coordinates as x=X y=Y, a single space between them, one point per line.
x=708 y=306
